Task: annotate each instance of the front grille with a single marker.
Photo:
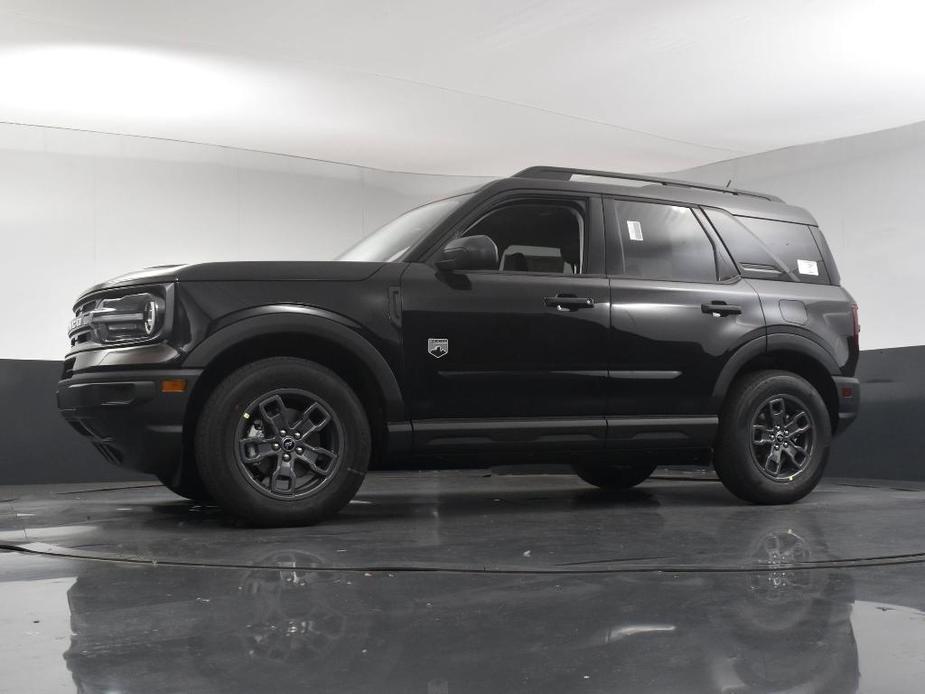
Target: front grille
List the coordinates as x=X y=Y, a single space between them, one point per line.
x=86 y=306
x=80 y=332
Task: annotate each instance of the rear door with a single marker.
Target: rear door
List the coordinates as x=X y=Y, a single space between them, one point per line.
x=678 y=311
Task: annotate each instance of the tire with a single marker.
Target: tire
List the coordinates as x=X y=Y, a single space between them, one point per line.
x=614 y=476
x=187 y=483
x=748 y=467
x=240 y=449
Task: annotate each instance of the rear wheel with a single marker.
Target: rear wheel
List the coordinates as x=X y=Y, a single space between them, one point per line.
x=614 y=475
x=283 y=441
x=774 y=438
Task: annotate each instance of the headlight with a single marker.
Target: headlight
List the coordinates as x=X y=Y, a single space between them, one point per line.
x=150 y=316
x=121 y=319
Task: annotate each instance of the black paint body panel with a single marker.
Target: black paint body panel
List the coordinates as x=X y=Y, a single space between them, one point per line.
x=635 y=364
x=510 y=355
x=660 y=328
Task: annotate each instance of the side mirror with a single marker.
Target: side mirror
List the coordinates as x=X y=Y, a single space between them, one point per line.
x=469 y=253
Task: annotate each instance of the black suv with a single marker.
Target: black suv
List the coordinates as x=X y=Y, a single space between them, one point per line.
x=612 y=321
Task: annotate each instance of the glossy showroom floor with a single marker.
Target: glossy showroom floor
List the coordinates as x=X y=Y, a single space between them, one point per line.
x=466 y=582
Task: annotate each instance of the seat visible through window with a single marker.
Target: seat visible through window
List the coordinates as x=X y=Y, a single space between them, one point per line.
x=535 y=237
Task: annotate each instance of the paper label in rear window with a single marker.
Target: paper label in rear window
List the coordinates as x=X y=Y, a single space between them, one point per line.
x=635 y=229
x=808 y=267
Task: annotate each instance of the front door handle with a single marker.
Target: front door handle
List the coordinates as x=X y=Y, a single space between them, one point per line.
x=721 y=308
x=569 y=302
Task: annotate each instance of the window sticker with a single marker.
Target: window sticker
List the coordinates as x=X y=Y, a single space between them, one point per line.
x=807 y=267
x=635 y=229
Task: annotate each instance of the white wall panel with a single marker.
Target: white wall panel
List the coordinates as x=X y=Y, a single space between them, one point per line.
x=77 y=208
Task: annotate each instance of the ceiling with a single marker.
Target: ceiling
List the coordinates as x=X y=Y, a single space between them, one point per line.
x=471 y=86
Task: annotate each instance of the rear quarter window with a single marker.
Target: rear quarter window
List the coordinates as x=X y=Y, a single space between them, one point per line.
x=772 y=249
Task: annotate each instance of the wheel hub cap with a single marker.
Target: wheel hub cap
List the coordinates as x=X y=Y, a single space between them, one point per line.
x=288 y=443
x=783 y=435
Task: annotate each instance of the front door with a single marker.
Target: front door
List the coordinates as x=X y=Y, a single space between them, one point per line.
x=516 y=355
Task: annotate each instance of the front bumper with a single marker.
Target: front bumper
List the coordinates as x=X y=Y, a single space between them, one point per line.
x=848 y=391
x=127 y=417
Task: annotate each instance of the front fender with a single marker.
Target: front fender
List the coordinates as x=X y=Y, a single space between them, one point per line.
x=307 y=320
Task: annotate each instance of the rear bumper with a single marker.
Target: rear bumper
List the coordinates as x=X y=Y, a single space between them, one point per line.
x=127 y=417
x=848 y=391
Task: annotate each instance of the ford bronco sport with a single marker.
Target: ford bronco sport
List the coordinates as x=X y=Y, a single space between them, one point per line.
x=607 y=320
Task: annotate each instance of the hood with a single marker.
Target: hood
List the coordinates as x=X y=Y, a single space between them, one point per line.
x=327 y=270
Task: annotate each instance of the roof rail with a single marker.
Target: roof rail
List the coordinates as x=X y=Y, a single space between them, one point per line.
x=560 y=173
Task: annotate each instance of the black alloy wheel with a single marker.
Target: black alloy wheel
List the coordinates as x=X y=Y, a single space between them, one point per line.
x=783 y=435
x=774 y=436
x=283 y=441
x=289 y=443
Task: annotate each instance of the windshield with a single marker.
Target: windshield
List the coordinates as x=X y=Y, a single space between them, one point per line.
x=392 y=241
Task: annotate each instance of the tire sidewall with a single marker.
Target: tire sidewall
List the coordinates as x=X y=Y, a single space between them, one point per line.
x=217 y=433
x=735 y=463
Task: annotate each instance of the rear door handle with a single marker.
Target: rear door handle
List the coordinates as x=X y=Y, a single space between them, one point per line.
x=721 y=308
x=569 y=302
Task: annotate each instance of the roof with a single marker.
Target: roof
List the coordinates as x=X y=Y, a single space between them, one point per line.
x=734 y=200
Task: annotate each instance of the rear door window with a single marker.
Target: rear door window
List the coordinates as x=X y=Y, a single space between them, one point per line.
x=771 y=249
x=661 y=242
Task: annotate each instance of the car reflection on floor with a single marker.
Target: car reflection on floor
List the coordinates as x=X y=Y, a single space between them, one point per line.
x=777 y=628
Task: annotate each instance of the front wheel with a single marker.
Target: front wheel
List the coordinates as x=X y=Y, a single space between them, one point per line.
x=283 y=441
x=774 y=437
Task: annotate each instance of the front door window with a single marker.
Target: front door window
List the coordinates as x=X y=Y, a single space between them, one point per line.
x=535 y=237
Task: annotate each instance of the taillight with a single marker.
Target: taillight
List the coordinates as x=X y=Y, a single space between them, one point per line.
x=855 y=320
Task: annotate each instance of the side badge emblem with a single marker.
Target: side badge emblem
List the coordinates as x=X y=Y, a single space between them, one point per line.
x=438 y=347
